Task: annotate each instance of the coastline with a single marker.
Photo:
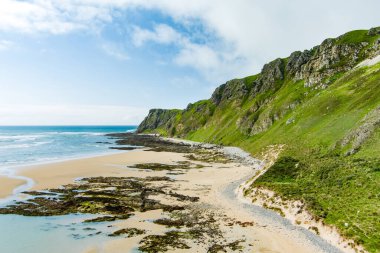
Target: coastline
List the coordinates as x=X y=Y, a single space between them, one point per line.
x=55 y=174
x=8 y=185
x=12 y=178
x=209 y=184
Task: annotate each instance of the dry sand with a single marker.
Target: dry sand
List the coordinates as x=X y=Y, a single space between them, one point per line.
x=207 y=183
x=55 y=174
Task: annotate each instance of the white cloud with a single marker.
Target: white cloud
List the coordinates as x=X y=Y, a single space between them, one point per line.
x=161 y=33
x=249 y=32
x=204 y=57
x=56 y=17
x=70 y=115
x=197 y=56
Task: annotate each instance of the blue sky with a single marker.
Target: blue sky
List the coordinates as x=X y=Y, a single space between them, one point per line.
x=108 y=62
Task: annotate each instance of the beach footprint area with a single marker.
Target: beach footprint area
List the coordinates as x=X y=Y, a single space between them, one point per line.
x=166 y=197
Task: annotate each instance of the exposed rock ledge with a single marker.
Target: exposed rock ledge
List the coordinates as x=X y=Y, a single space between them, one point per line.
x=369 y=62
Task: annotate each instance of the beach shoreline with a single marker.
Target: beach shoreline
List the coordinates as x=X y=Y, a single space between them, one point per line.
x=208 y=183
x=8 y=185
x=11 y=178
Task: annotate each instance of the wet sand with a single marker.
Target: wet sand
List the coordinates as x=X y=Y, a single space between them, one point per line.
x=209 y=184
x=7 y=185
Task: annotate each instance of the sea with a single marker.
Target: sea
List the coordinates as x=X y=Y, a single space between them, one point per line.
x=24 y=145
x=29 y=145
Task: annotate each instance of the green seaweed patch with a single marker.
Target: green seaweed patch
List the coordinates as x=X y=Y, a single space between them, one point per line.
x=110 y=196
x=129 y=232
x=162 y=243
x=170 y=222
x=234 y=246
x=208 y=156
x=154 y=143
x=109 y=218
x=169 y=167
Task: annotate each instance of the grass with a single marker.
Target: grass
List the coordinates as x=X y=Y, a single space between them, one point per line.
x=355 y=37
x=342 y=190
x=329 y=186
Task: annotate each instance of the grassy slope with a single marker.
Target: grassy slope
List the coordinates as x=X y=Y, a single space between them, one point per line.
x=344 y=191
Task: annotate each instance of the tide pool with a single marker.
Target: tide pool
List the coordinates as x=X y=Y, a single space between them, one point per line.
x=58 y=234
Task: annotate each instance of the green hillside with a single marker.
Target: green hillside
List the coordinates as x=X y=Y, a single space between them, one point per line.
x=327 y=113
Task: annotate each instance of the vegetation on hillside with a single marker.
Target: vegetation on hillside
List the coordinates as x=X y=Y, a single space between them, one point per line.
x=325 y=111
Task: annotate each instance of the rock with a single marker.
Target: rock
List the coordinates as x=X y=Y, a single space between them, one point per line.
x=271 y=73
x=290 y=121
x=359 y=135
x=296 y=60
x=129 y=232
x=157 y=118
x=235 y=89
x=374 y=31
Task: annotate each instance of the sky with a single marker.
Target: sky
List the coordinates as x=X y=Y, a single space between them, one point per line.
x=107 y=62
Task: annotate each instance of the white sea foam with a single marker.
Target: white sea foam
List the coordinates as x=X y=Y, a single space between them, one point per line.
x=20 y=137
x=80 y=133
x=25 y=145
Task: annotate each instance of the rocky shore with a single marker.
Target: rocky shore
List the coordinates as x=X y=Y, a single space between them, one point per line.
x=168 y=195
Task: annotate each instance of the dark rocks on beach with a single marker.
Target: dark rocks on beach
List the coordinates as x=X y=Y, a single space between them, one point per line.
x=169 y=167
x=233 y=246
x=153 y=142
x=129 y=232
x=115 y=197
x=124 y=148
x=162 y=243
x=194 y=152
x=109 y=218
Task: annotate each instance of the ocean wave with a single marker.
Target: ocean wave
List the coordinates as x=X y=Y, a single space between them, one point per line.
x=25 y=145
x=80 y=133
x=30 y=137
x=22 y=146
x=131 y=130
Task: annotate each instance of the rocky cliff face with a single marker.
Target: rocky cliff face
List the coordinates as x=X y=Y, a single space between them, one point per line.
x=158 y=118
x=255 y=99
x=323 y=104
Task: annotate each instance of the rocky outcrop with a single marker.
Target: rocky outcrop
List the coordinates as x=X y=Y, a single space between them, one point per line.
x=235 y=89
x=251 y=97
x=374 y=31
x=296 y=61
x=157 y=118
x=270 y=77
x=329 y=58
x=318 y=65
x=358 y=136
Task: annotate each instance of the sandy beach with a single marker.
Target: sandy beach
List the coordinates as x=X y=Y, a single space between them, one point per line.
x=55 y=174
x=7 y=185
x=208 y=182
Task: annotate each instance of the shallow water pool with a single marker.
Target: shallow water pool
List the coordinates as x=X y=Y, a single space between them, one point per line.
x=58 y=234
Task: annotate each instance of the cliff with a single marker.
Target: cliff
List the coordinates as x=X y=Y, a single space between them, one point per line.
x=323 y=104
x=310 y=70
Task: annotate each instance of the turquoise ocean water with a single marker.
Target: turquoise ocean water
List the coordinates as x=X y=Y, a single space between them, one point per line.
x=20 y=145
x=26 y=145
